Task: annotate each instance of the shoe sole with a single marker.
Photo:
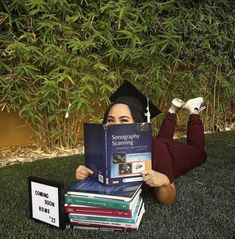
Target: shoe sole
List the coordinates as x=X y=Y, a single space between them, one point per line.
x=178 y=103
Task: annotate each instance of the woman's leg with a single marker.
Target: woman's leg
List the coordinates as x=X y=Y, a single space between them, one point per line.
x=185 y=156
x=192 y=154
x=167 y=128
x=195 y=133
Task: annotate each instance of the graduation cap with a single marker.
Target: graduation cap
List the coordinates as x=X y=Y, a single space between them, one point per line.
x=126 y=92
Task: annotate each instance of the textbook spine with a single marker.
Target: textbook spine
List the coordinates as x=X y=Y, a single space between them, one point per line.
x=97 y=202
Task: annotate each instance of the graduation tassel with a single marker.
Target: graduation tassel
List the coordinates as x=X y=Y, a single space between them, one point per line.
x=148 y=111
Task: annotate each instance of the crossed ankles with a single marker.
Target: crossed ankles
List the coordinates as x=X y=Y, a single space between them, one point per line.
x=193 y=105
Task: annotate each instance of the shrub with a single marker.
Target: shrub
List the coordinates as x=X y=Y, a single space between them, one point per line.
x=59 y=53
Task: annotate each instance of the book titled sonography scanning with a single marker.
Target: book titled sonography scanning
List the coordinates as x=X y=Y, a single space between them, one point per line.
x=117 y=153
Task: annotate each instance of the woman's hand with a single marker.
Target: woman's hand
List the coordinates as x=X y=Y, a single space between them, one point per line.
x=155 y=179
x=164 y=190
x=82 y=172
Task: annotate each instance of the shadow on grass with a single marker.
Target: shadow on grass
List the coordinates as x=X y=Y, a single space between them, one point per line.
x=204 y=207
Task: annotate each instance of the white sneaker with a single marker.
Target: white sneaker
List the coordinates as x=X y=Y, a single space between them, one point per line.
x=178 y=103
x=194 y=104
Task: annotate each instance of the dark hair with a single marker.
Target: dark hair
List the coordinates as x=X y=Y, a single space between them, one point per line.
x=135 y=106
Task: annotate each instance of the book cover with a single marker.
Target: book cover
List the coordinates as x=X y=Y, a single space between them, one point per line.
x=91 y=188
x=117 y=153
x=86 y=210
x=101 y=202
x=95 y=218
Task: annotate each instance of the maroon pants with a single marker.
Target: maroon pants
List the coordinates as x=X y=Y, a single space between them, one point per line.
x=174 y=158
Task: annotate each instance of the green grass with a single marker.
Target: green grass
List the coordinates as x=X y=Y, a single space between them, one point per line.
x=204 y=207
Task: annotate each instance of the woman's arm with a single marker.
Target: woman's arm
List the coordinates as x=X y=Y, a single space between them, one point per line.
x=164 y=191
x=165 y=194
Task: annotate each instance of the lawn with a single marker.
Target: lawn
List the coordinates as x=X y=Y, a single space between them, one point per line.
x=204 y=208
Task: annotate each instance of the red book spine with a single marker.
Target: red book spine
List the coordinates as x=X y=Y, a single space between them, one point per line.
x=98 y=211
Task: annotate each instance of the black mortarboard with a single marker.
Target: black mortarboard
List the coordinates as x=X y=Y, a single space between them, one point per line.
x=127 y=90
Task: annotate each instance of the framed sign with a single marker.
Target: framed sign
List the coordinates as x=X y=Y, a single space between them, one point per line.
x=46 y=201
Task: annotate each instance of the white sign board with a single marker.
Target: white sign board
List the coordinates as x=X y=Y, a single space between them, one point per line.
x=46 y=201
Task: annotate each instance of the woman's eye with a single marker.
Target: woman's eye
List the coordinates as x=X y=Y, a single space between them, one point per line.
x=123 y=121
x=109 y=121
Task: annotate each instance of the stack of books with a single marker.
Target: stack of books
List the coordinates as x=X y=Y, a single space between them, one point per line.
x=91 y=205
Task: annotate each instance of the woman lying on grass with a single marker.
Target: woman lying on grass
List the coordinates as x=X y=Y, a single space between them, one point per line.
x=170 y=158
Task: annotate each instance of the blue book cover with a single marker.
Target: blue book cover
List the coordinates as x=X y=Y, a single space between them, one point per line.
x=91 y=188
x=117 y=153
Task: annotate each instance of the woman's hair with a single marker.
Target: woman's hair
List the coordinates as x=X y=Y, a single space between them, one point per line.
x=136 y=108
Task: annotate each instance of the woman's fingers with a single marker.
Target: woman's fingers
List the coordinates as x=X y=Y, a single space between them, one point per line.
x=147 y=175
x=83 y=172
x=81 y=176
x=89 y=170
x=150 y=177
x=154 y=179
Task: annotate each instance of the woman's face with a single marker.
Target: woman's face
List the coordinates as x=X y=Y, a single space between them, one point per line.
x=120 y=114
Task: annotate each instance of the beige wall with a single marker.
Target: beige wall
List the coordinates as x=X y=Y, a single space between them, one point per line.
x=13 y=130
